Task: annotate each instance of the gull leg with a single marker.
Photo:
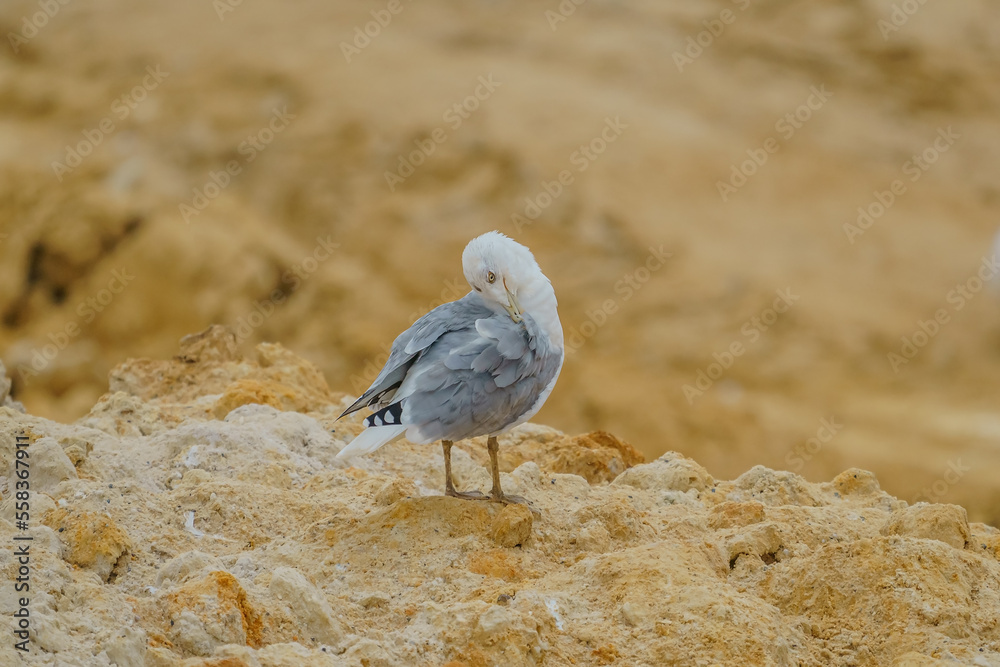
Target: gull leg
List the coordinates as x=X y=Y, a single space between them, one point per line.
x=496 y=492
x=449 y=485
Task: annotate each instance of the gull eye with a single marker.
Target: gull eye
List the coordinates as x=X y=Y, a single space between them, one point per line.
x=491 y=277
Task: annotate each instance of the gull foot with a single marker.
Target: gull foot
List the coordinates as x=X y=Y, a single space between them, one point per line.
x=466 y=495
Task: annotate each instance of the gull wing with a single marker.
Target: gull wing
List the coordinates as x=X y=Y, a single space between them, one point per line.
x=478 y=379
x=412 y=342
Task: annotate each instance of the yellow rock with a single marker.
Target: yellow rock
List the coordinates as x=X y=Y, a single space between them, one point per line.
x=735 y=514
x=297 y=560
x=244 y=392
x=512 y=526
x=91 y=541
x=947 y=523
x=210 y=612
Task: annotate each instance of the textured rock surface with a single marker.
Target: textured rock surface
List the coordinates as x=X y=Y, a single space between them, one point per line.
x=5 y=384
x=185 y=540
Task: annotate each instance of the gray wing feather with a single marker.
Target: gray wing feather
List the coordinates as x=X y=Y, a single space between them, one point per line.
x=441 y=320
x=478 y=379
x=488 y=360
x=510 y=341
x=463 y=370
x=409 y=344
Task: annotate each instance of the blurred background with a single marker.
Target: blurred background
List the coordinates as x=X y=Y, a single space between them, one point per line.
x=769 y=224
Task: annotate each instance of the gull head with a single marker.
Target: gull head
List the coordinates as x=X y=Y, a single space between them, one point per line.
x=504 y=273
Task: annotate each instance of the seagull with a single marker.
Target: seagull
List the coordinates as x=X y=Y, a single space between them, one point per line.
x=480 y=365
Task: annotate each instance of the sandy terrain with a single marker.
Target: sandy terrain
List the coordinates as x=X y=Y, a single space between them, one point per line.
x=197 y=516
x=164 y=166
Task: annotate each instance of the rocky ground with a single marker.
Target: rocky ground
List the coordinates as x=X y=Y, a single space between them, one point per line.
x=197 y=516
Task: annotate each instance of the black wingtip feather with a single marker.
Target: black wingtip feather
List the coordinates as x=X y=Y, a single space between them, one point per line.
x=357 y=405
x=390 y=415
x=368 y=399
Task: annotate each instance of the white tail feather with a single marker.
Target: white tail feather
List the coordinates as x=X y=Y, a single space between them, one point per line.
x=371 y=439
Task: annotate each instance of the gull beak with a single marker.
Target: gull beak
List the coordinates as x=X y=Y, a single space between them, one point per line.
x=513 y=308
